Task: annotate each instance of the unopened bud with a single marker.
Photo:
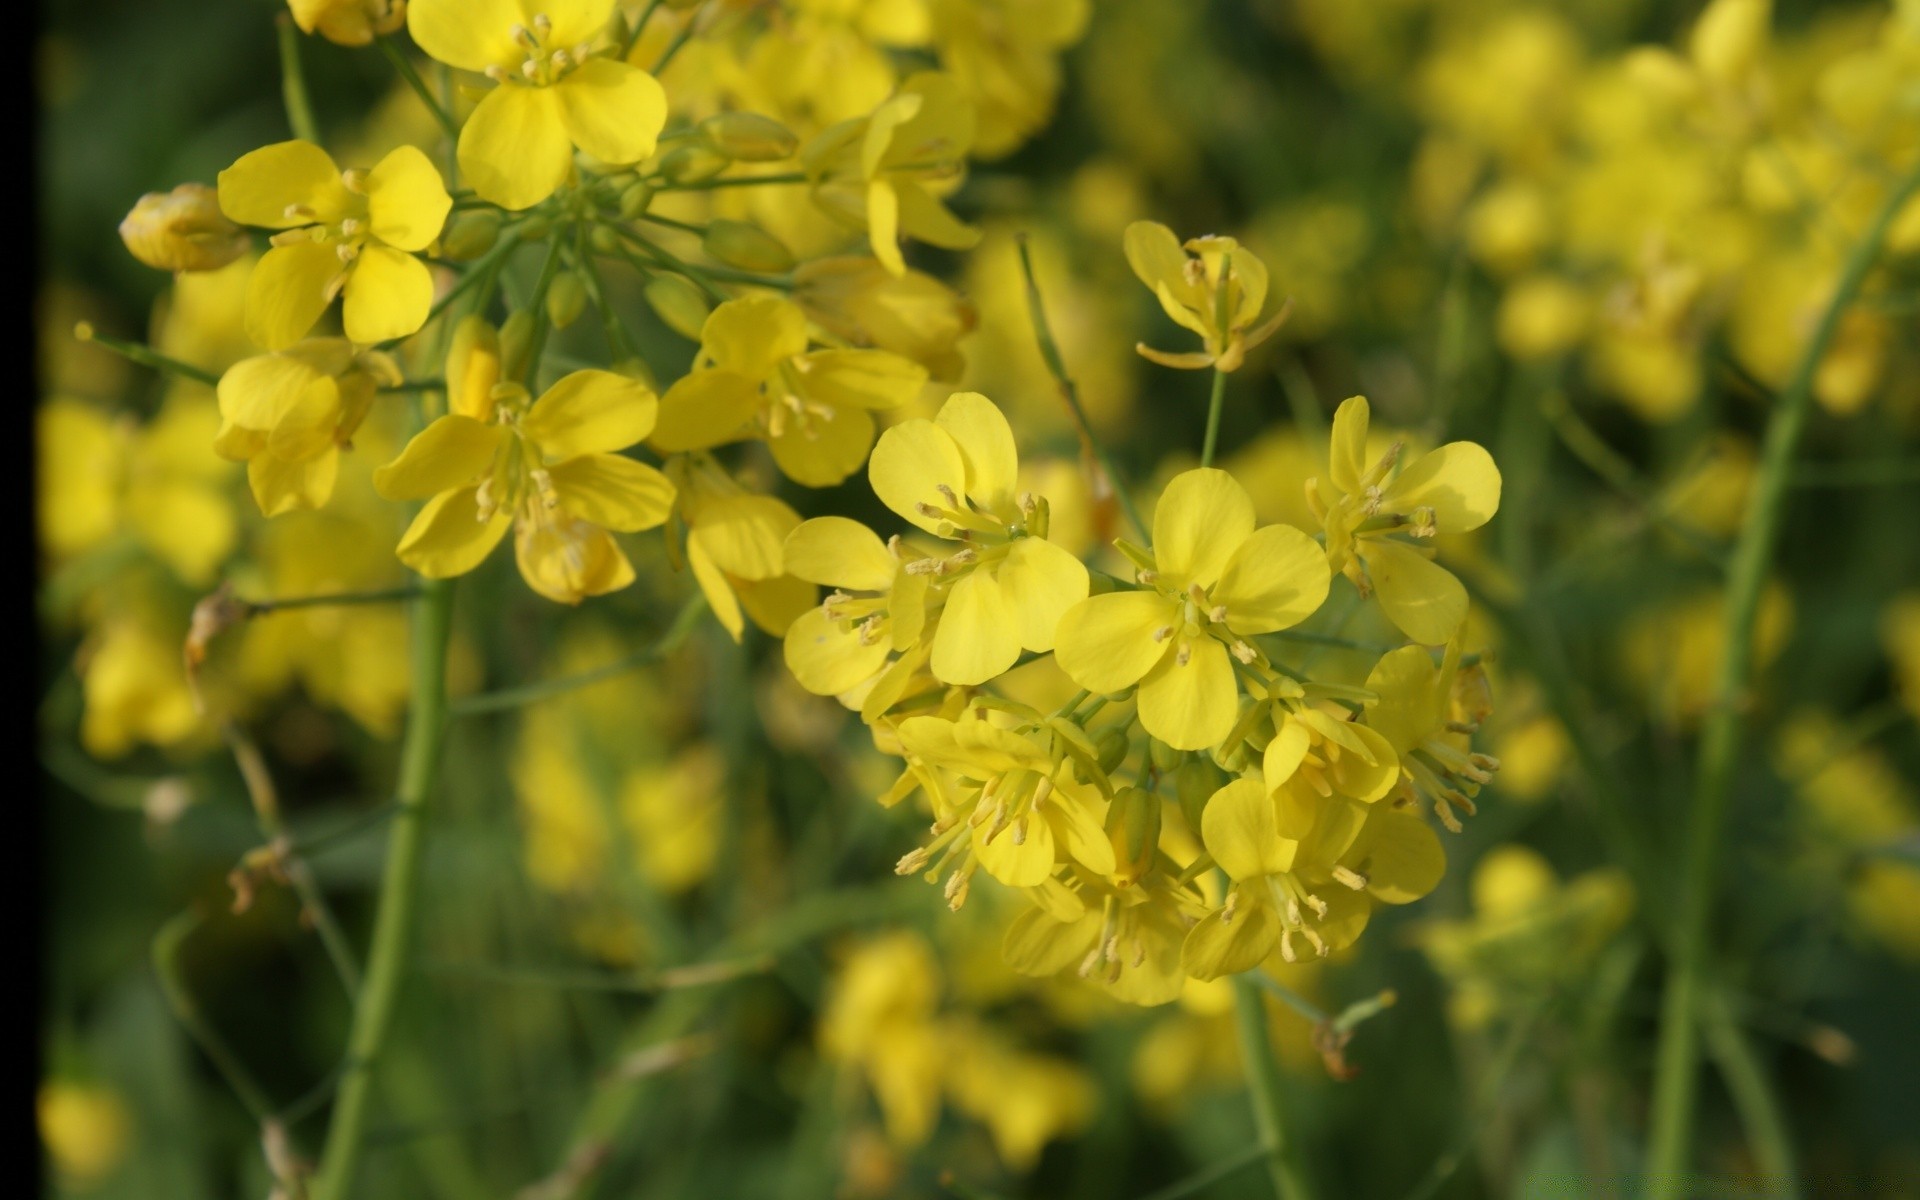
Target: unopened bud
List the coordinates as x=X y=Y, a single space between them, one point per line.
x=1194 y=784
x=566 y=299
x=748 y=247
x=678 y=304
x=1165 y=758
x=470 y=235
x=183 y=230
x=749 y=137
x=635 y=200
x=693 y=163
x=516 y=343
x=1133 y=830
x=1113 y=746
x=473 y=368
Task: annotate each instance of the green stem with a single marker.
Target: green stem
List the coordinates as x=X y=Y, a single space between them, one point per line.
x=1753 y=1096
x=1675 y=1076
x=1214 y=403
x=1069 y=391
x=394 y=922
x=173 y=983
x=707 y=185
x=1206 y=1177
x=547 y=689
x=639 y=27
x=405 y=67
x=293 y=82
x=537 y=305
x=260 y=608
x=1263 y=1082
x=146 y=356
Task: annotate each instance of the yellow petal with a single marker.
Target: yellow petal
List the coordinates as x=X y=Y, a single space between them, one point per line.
x=1242 y=833
x=1459 y=481
x=926 y=219
x=907 y=608
x=883 y=226
x=979 y=634
x=469 y=34
x=1284 y=754
x=1346 y=919
x=1417 y=594
x=282 y=186
x=974 y=749
x=754 y=335
x=406 y=201
x=743 y=534
x=574 y=21
x=307 y=426
x=1190 y=706
x=1041 y=581
x=980 y=430
x=719 y=593
x=1403 y=859
x=1194 y=360
x=826 y=449
x=287 y=292
x=1347 y=456
x=1201 y=519
x=1408 y=710
x=1154 y=253
x=283 y=486
x=1078 y=826
x=448 y=537
x=705 y=409
x=388 y=295
x=567 y=560
x=1039 y=944
x=1277 y=578
x=514 y=149
x=590 y=412
x=254 y=392
x=453 y=452
x=774 y=604
x=828 y=659
x=861 y=378
x=910 y=463
x=1105 y=643
x=1216 y=947
x=612 y=491
x=612 y=110
x=1025 y=863
x=838 y=552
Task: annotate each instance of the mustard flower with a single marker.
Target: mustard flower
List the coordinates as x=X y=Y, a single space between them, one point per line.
x=1213 y=286
x=288 y=415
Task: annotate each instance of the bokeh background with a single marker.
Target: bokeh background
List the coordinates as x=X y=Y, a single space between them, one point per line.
x=1500 y=220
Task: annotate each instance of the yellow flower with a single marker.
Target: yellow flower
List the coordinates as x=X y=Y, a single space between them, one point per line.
x=734 y=541
x=135 y=687
x=673 y=814
x=1025 y=1100
x=885 y=172
x=348 y=22
x=1007 y=588
x=554 y=93
x=86 y=1129
x=1004 y=54
x=1366 y=510
x=183 y=230
x=1210 y=582
x=1416 y=713
x=878 y=608
x=549 y=470
x=288 y=415
x=755 y=378
x=1213 y=286
x=860 y=302
x=353 y=233
x=1125 y=939
x=880 y=1016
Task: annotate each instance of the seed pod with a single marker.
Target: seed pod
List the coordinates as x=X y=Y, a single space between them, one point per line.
x=1195 y=783
x=1133 y=830
x=634 y=200
x=473 y=367
x=749 y=137
x=1165 y=758
x=566 y=299
x=516 y=343
x=678 y=304
x=470 y=235
x=748 y=247
x=1113 y=746
x=693 y=163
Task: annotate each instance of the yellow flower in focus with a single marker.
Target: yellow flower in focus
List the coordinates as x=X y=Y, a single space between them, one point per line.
x=877 y=608
x=734 y=544
x=1419 y=714
x=288 y=415
x=1008 y=586
x=86 y=1129
x=549 y=470
x=555 y=92
x=756 y=378
x=860 y=302
x=1210 y=582
x=350 y=233
x=348 y=22
x=885 y=173
x=183 y=230
x=1213 y=286
x=1366 y=510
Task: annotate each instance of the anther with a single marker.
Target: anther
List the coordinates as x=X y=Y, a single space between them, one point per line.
x=1163 y=633
x=1350 y=879
x=1185 y=654
x=1243 y=652
x=1217 y=614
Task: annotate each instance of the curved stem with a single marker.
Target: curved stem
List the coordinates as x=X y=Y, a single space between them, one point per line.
x=1213 y=416
x=399 y=893
x=1263 y=1082
x=1675 y=1075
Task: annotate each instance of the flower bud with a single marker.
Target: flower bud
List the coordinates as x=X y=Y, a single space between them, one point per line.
x=348 y=22
x=749 y=137
x=1133 y=830
x=1194 y=784
x=693 y=163
x=516 y=343
x=470 y=234
x=634 y=200
x=566 y=299
x=1234 y=760
x=678 y=304
x=604 y=240
x=473 y=367
x=748 y=247
x=1113 y=746
x=914 y=315
x=183 y=230
x=1165 y=758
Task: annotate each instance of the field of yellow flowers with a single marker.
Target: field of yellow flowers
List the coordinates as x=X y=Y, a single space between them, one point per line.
x=1082 y=599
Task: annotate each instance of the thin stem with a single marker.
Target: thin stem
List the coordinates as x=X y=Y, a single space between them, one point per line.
x=173 y=984
x=1214 y=403
x=1675 y=1075
x=639 y=27
x=484 y=268
x=146 y=356
x=1603 y=460
x=1263 y=1082
x=293 y=82
x=393 y=927
x=670 y=223
x=260 y=608
x=537 y=305
x=547 y=689
x=1753 y=1096
x=413 y=385
x=1069 y=391
x=639 y=984
x=1206 y=1177
x=405 y=67
x=707 y=185
x=619 y=344
x=681 y=39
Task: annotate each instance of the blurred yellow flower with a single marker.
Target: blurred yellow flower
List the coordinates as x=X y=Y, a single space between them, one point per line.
x=288 y=415
x=183 y=230
x=86 y=1129
x=1212 y=286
